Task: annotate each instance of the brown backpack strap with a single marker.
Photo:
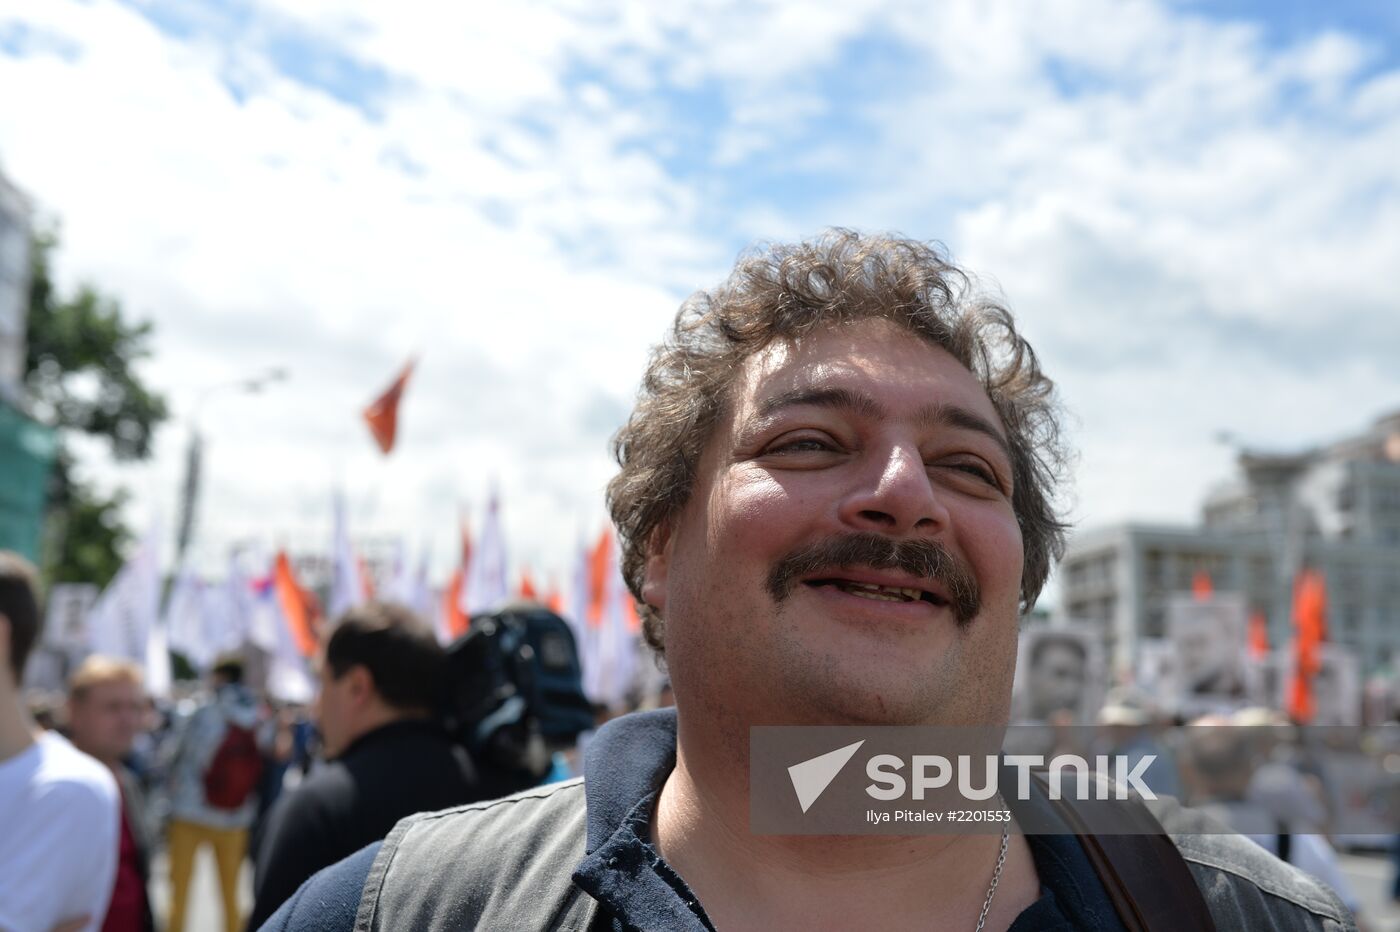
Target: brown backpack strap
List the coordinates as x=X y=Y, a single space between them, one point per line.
x=1145 y=876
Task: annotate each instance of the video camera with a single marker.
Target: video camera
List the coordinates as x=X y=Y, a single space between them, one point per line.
x=514 y=693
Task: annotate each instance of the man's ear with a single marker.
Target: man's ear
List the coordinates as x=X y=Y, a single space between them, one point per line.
x=657 y=568
x=359 y=683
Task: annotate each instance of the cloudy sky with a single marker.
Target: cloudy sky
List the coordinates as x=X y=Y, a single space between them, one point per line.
x=1194 y=210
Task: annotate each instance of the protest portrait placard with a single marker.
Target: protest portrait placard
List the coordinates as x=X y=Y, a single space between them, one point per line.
x=1155 y=672
x=66 y=617
x=1057 y=671
x=1208 y=635
x=1337 y=687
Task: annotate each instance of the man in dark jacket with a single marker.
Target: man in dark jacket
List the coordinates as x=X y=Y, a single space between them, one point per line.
x=388 y=757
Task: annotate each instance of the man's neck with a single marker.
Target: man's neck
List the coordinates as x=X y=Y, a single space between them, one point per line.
x=746 y=880
x=380 y=717
x=17 y=729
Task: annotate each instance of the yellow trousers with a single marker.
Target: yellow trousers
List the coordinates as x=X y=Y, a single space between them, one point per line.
x=229 y=844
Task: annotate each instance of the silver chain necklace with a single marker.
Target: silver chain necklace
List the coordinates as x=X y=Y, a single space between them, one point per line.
x=996 y=877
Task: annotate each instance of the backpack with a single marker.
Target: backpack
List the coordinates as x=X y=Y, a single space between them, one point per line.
x=234 y=771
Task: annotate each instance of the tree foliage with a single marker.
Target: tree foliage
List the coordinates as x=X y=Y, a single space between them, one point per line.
x=80 y=363
x=85 y=530
x=80 y=372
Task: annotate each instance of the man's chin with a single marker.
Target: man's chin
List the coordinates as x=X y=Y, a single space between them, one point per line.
x=871 y=702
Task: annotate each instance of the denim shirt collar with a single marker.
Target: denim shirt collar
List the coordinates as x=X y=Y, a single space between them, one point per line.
x=628 y=761
x=625 y=765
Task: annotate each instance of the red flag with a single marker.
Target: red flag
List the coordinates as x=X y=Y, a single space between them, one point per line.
x=293 y=601
x=527 y=586
x=1201 y=586
x=1309 y=631
x=555 y=600
x=1258 y=635
x=382 y=415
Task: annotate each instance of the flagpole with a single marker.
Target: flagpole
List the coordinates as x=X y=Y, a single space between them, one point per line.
x=194 y=451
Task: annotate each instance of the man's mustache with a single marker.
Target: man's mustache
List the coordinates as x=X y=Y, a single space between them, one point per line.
x=922 y=559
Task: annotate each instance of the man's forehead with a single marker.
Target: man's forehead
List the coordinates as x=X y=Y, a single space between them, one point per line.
x=113 y=690
x=858 y=358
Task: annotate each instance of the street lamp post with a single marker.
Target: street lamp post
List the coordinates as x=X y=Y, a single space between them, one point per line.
x=194 y=452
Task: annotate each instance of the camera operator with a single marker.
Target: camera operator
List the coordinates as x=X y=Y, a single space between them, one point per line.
x=381 y=675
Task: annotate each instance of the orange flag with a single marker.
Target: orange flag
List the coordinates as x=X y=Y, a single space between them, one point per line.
x=457 y=620
x=1201 y=586
x=555 y=600
x=382 y=415
x=294 y=604
x=1258 y=635
x=1309 y=631
x=527 y=586
x=598 y=578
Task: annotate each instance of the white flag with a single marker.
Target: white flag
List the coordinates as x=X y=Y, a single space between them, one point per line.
x=347 y=584
x=128 y=610
x=487 y=585
x=184 y=620
x=410 y=587
x=576 y=605
x=580 y=593
x=158 y=673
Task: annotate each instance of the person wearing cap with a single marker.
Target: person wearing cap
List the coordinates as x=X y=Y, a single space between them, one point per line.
x=835 y=506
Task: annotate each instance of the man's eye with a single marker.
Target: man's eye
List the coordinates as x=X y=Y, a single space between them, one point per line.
x=979 y=470
x=801 y=445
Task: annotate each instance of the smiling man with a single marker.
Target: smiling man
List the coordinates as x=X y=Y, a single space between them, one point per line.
x=835 y=503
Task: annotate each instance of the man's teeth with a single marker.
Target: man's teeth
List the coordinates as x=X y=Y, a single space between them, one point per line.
x=881 y=593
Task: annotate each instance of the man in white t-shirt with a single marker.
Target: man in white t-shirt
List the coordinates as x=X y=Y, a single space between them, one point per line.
x=59 y=808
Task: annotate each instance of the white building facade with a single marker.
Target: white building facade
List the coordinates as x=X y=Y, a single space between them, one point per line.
x=1336 y=508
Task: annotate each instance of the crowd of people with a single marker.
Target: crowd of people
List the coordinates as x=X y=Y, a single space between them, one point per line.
x=94 y=785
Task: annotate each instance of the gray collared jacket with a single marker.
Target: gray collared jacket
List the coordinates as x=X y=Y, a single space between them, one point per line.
x=509 y=863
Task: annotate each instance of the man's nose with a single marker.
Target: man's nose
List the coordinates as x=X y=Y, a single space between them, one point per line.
x=895 y=496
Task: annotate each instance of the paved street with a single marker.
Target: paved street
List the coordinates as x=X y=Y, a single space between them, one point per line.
x=1370 y=876
x=205 y=913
